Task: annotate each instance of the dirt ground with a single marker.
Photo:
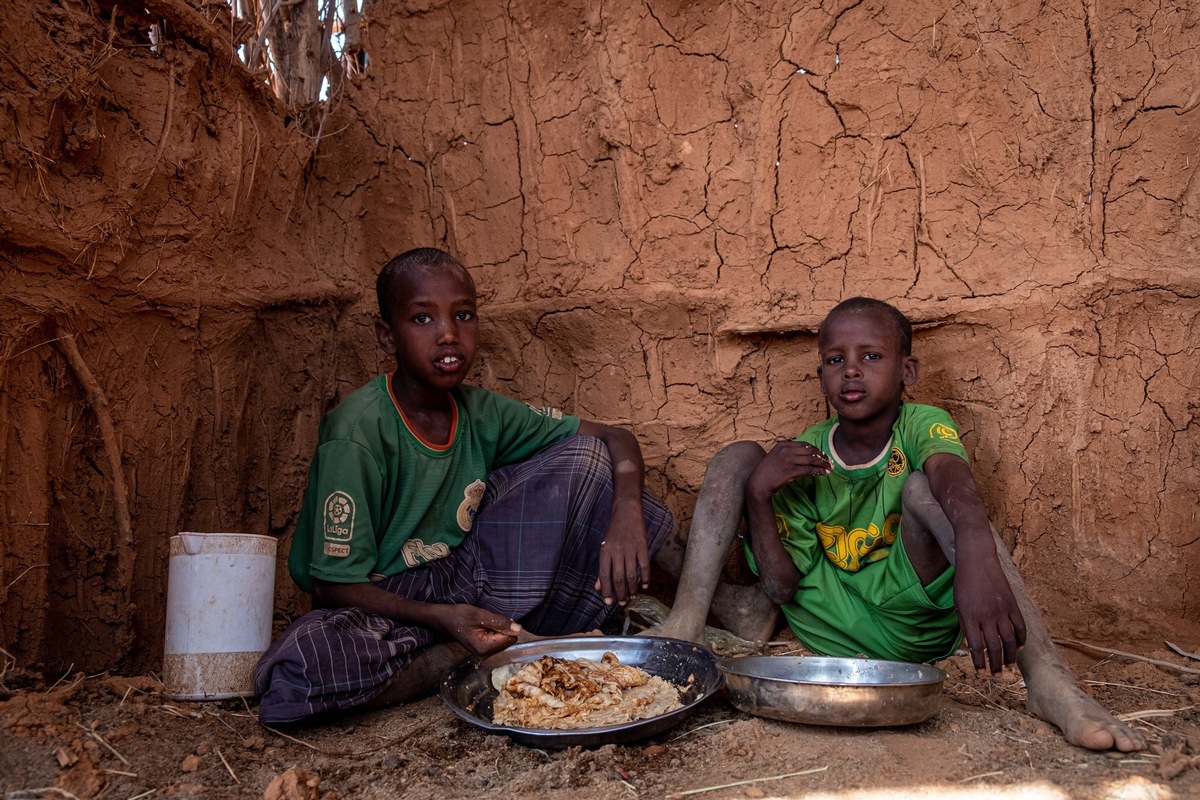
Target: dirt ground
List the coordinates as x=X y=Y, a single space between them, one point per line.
x=117 y=737
x=659 y=201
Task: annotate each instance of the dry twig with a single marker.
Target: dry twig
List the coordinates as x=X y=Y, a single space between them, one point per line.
x=348 y=753
x=750 y=781
x=1152 y=712
x=1183 y=653
x=232 y=774
x=981 y=776
x=101 y=740
x=700 y=728
x=1130 y=686
x=1132 y=656
x=108 y=435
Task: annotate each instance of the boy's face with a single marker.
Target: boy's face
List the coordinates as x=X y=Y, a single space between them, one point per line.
x=863 y=372
x=433 y=328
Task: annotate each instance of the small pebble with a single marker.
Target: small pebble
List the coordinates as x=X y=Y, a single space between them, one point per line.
x=191 y=763
x=654 y=750
x=754 y=791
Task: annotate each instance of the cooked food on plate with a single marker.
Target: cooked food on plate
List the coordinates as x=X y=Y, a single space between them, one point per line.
x=561 y=693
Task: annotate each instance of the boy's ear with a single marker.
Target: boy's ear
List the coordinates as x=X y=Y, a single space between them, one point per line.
x=384 y=338
x=912 y=370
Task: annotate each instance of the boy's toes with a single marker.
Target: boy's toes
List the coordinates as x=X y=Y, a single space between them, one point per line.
x=1114 y=735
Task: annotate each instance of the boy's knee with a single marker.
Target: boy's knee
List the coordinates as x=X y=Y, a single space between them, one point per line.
x=734 y=463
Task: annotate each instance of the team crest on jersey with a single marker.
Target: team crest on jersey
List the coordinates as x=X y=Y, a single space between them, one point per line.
x=897 y=463
x=939 y=431
x=338 y=523
x=469 y=507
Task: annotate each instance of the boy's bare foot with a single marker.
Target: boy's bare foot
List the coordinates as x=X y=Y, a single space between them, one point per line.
x=421 y=677
x=1055 y=697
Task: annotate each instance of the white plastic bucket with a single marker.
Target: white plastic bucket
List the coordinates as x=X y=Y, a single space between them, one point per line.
x=220 y=594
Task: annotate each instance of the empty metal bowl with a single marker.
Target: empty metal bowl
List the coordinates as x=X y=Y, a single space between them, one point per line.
x=467 y=686
x=853 y=692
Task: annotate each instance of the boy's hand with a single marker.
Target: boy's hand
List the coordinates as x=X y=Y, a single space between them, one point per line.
x=787 y=461
x=987 y=610
x=624 y=557
x=480 y=631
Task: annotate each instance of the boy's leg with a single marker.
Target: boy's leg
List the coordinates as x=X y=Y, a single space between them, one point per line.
x=340 y=659
x=743 y=610
x=1052 y=691
x=537 y=538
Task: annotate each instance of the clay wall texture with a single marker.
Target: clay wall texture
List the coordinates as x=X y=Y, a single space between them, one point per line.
x=659 y=202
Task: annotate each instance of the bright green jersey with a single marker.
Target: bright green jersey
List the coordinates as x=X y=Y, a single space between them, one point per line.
x=852 y=515
x=858 y=593
x=381 y=499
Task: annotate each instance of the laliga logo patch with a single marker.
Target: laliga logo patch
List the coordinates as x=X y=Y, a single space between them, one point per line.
x=339 y=517
x=469 y=507
x=939 y=431
x=339 y=524
x=896 y=463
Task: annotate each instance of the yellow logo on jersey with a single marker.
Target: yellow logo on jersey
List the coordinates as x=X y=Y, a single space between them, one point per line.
x=469 y=507
x=781 y=527
x=940 y=431
x=897 y=463
x=851 y=549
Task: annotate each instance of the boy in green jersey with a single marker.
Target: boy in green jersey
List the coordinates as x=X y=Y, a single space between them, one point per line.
x=443 y=519
x=869 y=533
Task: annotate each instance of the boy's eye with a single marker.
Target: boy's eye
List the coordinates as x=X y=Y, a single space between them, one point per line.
x=465 y=316
x=421 y=319
x=872 y=356
x=833 y=360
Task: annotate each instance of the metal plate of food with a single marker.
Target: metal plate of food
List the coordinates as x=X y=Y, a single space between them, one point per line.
x=468 y=691
x=853 y=692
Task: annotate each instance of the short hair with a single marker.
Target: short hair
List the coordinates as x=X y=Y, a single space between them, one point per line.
x=421 y=258
x=869 y=305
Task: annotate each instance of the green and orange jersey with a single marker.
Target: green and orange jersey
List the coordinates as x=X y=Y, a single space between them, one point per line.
x=381 y=499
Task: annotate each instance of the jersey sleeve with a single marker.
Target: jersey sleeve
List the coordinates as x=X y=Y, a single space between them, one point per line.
x=525 y=431
x=930 y=430
x=345 y=497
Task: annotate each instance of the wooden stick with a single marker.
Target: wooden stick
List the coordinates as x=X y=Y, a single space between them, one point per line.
x=752 y=780
x=346 y=753
x=108 y=435
x=1183 y=653
x=1109 y=651
x=982 y=775
x=1152 y=712
x=1132 y=686
x=100 y=739
x=232 y=774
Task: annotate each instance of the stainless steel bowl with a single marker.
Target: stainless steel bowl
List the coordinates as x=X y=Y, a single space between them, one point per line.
x=467 y=687
x=853 y=692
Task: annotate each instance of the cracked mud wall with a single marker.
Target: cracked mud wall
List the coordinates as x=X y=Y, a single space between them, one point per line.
x=659 y=202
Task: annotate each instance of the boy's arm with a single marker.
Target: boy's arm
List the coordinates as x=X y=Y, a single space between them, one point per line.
x=987 y=610
x=787 y=461
x=480 y=631
x=624 y=557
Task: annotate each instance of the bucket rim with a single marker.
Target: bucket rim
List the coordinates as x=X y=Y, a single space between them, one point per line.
x=220 y=533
